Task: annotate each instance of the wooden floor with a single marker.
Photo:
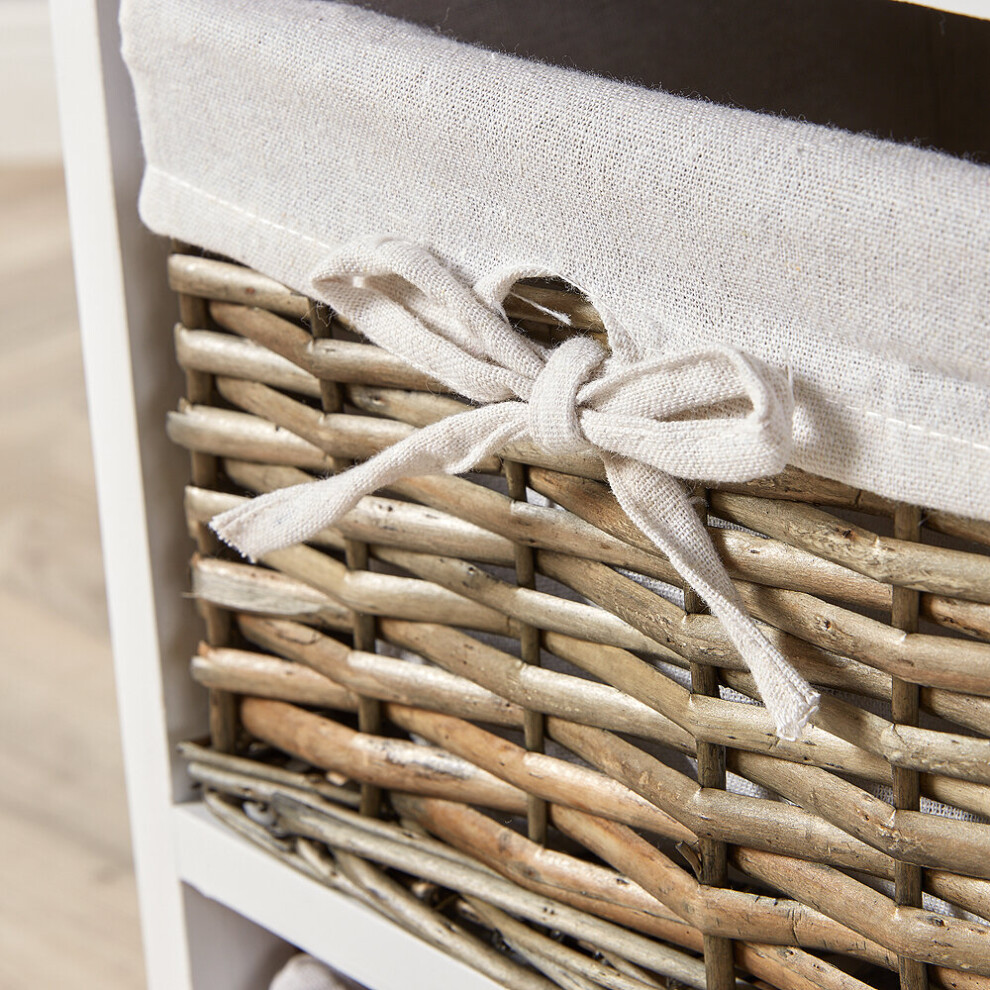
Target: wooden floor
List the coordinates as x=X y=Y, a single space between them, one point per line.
x=68 y=915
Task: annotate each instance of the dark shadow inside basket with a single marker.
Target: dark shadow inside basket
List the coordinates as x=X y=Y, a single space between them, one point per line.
x=896 y=70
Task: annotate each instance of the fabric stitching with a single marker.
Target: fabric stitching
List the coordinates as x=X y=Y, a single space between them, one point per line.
x=235 y=208
x=892 y=420
x=913 y=427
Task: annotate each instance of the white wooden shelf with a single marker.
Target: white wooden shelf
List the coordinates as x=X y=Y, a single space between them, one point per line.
x=230 y=870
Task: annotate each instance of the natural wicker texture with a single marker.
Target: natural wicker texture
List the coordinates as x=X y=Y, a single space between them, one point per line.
x=498 y=689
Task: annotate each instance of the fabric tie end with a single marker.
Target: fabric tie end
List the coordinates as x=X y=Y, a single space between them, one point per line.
x=795 y=724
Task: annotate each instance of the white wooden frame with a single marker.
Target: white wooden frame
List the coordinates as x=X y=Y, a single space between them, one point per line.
x=216 y=912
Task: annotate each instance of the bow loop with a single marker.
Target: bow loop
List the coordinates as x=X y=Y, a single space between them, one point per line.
x=714 y=414
x=554 y=416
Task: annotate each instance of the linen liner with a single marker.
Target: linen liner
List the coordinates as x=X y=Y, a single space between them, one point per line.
x=276 y=132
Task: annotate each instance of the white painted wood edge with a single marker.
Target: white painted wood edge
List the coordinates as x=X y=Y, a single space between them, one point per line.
x=113 y=420
x=225 y=867
x=969 y=8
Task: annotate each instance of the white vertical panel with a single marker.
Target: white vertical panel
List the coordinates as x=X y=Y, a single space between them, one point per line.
x=126 y=314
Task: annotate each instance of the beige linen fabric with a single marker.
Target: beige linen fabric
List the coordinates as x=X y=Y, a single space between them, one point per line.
x=276 y=131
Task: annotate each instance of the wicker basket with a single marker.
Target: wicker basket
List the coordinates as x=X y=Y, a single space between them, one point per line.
x=486 y=707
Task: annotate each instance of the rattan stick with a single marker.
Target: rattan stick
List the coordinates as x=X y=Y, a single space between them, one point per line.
x=340 y=831
x=549 y=691
x=732 y=913
x=905 y=710
x=265 y=791
x=957 y=793
x=736 y=818
x=298 y=853
x=375 y=759
x=429 y=639
x=402 y=681
x=413 y=408
x=341 y=361
x=460 y=594
x=672 y=637
x=426 y=769
x=529 y=651
x=918 y=749
x=969 y=618
x=199 y=386
x=785 y=966
x=231 y=815
x=502 y=674
x=908 y=746
x=239 y=586
x=910 y=932
x=936 y=661
x=356 y=555
x=223 y=280
x=342 y=435
x=747 y=556
x=958 y=796
x=260 y=789
x=222 y=713
x=749 y=821
x=894 y=561
x=552 y=779
x=378 y=521
x=433 y=928
x=400 y=906
x=830 y=632
x=285 y=730
x=319 y=862
x=442 y=814
x=242 y=672
x=965 y=529
x=237 y=435
x=518 y=936
x=226 y=354
x=716 y=911
x=713 y=869
x=356 y=436
x=760 y=560
x=709 y=719
x=761 y=957
x=232 y=434
x=555 y=780
x=386 y=594
x=369 y=435
x=297 y=418
x=462 y=506
x=624 y=966
x=228 y=773
x=927 y=840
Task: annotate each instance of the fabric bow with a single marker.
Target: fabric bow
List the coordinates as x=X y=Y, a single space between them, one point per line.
x=713 y=414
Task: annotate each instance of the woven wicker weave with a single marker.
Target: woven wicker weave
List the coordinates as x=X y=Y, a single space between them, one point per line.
x=485 y=706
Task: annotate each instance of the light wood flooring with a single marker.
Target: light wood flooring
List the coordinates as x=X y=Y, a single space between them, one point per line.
x=68 y=912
